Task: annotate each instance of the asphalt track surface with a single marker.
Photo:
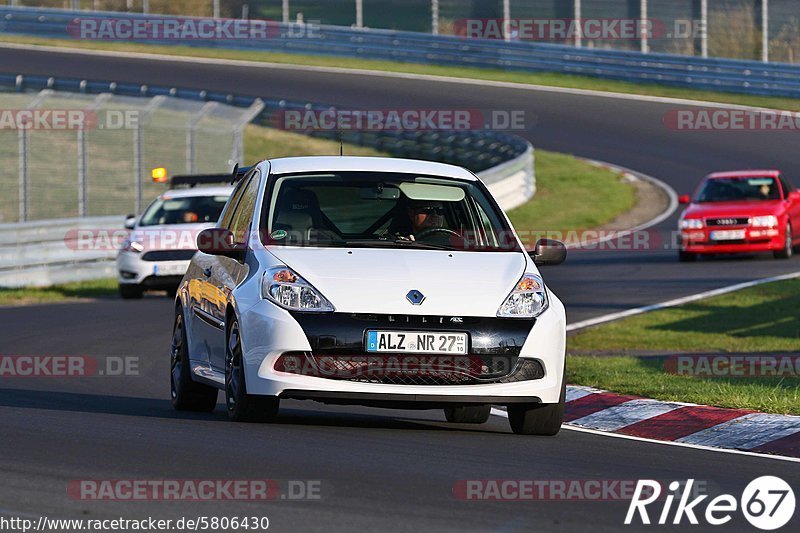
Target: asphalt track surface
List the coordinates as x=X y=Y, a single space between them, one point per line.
x=393 y=470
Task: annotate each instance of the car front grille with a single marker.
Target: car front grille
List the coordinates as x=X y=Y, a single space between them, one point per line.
x=168 y=255
x=727 y=222
x=406 y=369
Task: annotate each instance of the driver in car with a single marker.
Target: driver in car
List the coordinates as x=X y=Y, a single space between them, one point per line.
x=425 y=216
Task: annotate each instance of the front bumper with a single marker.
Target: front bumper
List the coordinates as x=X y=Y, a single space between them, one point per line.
x=133 y=270
x=755 y=240
x=269 y=332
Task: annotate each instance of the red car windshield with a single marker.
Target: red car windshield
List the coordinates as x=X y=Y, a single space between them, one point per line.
x=739 y=189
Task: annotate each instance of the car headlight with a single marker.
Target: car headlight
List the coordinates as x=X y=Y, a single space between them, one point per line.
x=691 y=223
x=527 y=300
x=132 y=246
x=286 y=288
x=769 y=221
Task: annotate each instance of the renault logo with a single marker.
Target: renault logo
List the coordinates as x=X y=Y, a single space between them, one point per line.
x=415 y=297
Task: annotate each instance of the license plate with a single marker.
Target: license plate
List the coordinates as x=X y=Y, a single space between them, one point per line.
x=416 y=342
x=728 y=235
x=175 y=269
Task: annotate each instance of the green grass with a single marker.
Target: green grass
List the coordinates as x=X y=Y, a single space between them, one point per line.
x=265 y=143
x=58 y=293
x=758 y=319
x=538 y=78
x=571 y=195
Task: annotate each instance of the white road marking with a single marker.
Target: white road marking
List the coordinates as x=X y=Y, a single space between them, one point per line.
x=678 y=301
x=499 y=412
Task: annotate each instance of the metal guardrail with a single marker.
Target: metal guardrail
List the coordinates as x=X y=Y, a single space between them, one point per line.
x=49 y=252
x=728 y=75
x=45 y=252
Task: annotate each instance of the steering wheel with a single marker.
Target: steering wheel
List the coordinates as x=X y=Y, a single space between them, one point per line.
x=430 y=231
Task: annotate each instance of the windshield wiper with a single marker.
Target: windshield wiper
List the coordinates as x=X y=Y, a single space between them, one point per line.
x=394 y=244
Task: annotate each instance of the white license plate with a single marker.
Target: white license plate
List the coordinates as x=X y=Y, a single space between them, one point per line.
x=728 y=235
x=428 y=342
x=170 y=269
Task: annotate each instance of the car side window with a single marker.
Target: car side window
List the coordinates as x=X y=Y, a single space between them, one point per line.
x=227 y=215
x=786 y=185
x=243 y=213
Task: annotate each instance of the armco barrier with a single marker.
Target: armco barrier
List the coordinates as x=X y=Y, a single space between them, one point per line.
x=748 y=77
x=47 y=252
x=39 y=253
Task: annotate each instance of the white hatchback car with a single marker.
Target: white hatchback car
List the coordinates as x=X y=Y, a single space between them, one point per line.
x=164 y=238
x=381 y=282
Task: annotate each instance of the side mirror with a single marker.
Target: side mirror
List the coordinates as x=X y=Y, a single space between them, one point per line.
x=549 y=252
x=219 y=241
x=130 y=221
x=684 y=199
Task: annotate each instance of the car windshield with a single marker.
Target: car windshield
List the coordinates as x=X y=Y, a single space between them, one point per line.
x=167 y=210
x=739 y=189
x=376 y=210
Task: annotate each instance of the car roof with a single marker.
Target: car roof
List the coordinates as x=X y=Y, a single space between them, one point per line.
x=193 y=192
x=290 y=165
x=745 y=174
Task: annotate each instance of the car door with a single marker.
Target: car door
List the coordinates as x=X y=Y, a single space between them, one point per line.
x=793 y=205
x=203 y=300
x=228 y=272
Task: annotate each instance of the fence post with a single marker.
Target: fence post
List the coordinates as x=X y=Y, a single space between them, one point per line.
x=216 y=9
x=145 y=6
x=704 y=28
x=138 y=148
x=435 y=17
x=191 y=129
x=506 y=19
x=576 y=15
x=359 y=13
x=247 y=117
x=83 y=167
x=75 y=5
x=24 y=183
x=645 y=46
x=285 y=11
x=23 y=174
x=765 y=31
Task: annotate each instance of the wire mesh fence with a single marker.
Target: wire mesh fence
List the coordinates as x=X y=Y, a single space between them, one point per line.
x=66 y=155
x=742 y=29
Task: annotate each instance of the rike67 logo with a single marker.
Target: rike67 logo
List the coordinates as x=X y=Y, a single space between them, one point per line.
x=767 y=503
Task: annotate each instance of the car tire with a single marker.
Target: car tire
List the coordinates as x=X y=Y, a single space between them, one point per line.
x=187 y=395
x=788 y=246
x=243 y=407
x=130 y=292
x=537 y=418
x=686 y=257
x=467 y=414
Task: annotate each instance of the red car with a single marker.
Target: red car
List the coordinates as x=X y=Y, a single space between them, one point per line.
x=743 y=211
